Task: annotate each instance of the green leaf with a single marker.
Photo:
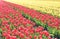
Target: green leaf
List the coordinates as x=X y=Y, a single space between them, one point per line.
x=0 y=30
x=37 y=34
x=44 y=37
x=0 y=22
x=12 y=26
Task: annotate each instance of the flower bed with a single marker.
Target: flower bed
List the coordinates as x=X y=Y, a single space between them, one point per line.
x=19 y=22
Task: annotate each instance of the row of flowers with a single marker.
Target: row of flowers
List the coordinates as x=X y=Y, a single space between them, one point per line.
x=14 y=26
x=38 y=17
x=26 y=33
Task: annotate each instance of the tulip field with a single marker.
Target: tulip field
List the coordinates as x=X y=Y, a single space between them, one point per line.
x=45 y=6
x=20 y=22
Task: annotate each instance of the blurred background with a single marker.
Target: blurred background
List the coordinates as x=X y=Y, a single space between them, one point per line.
x=45 y=6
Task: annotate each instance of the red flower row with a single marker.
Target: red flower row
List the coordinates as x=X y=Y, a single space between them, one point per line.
x=25 y=33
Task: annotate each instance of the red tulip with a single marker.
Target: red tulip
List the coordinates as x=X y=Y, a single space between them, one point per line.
x=21 y=35
x=46 y=33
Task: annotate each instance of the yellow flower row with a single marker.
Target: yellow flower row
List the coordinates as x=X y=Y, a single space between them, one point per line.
x=55 y=11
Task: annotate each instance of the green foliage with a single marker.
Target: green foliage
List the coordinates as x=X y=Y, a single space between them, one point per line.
x=44 y=37
x=0 y=30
